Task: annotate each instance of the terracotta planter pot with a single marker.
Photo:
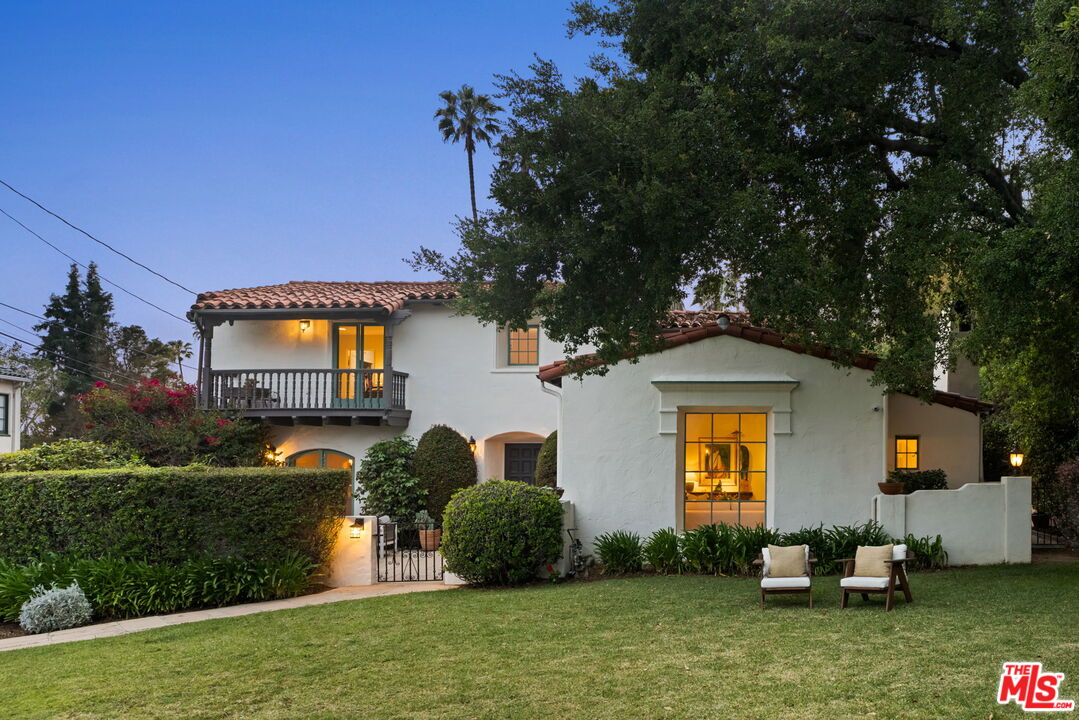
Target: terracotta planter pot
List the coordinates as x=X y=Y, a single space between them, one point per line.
x=559 y=491
x=430 y=539
x=891 y=488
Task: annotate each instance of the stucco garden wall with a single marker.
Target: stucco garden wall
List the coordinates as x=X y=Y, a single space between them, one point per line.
x=455 y=378
x=949 y=438
x=618 y=451
x=9 y=441
x=980 y=523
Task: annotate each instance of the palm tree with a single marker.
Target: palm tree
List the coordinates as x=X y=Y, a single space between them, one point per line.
x=469 y=116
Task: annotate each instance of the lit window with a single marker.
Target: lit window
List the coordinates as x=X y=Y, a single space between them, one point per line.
x=724 y=463
x=906 y=452
x=523 y=346
x=321 y=459
x=4 y=414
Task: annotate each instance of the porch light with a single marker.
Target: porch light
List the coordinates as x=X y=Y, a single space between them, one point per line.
x=356 y=529
x=472 y=444
x=1016 y=459
x=305 y=325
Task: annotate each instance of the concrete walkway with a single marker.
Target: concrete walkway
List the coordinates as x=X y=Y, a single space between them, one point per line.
x=123 y=627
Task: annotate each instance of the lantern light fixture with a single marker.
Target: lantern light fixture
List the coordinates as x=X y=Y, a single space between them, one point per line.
x=305 y=325
x=472 y=444
x=356 y=529
x=1016 y=459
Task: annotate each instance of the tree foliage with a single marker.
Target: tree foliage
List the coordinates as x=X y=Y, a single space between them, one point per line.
x=874 y=175
x=444 y=464
x=386 y=482
x=469 y=116
x=547 y=462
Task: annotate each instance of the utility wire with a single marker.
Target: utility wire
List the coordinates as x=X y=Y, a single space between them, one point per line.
x=83 y=332
x=99 y=242
x=110 y=282
x=67 y=359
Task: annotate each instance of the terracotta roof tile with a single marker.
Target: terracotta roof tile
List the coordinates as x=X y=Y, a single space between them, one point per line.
x=316 y=294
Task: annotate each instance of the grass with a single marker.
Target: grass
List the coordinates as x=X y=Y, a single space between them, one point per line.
x=650 y=647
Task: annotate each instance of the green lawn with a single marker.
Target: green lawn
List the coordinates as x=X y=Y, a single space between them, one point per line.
x=679 y=647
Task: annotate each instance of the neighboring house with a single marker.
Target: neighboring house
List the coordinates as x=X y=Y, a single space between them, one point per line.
x=735 y=423
x=11 y=383
x=333 y=367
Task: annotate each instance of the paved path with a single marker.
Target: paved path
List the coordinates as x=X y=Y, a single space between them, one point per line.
x=123 y=627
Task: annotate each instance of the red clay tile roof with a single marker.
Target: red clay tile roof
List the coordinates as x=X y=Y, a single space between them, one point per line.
x=315 y=294
x=554 y=372
x=701 y=318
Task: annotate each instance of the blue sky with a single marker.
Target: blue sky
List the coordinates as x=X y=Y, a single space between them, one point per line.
x=237 y=144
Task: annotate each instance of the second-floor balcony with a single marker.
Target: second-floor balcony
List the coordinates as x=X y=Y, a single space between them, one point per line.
x=291 y=396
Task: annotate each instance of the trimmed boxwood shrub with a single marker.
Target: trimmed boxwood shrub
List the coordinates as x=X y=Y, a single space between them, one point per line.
x=172 y=514
x=501 y=532
x=68 y=454
x=547 y=462
x=444 y=464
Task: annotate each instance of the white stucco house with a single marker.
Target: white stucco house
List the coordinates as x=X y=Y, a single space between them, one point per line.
x=11 y=383
x=730 y=423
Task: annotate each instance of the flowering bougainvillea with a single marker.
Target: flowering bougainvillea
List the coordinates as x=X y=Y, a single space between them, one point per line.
x=163 y=424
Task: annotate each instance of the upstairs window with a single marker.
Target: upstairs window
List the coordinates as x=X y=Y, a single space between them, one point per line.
x=523 y=346
x=906 y=452
x=4 y=414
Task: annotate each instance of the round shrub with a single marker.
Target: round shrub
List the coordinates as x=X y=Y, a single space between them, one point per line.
x=386 y=481
x=52 y=609
x=547 y=462
x=501 y=532
x=444 y=464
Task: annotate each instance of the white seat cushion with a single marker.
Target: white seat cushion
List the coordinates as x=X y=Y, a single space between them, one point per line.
x=878 y=583
x=780 y=583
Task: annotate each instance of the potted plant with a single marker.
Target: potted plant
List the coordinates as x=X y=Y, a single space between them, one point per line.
x=893 y=485
x=430 y=537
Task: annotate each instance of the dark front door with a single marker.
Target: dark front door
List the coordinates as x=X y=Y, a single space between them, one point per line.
x=521 y=461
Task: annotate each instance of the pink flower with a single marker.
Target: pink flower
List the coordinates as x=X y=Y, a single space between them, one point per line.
x=89 y=426
x=101 y=384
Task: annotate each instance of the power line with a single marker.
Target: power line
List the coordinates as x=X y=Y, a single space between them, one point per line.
x=110 y=282
x=99 y=242
x=90 y=335
x=68 y=359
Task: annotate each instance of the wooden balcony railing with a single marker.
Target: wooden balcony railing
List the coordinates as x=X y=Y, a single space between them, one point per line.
x=306 y=390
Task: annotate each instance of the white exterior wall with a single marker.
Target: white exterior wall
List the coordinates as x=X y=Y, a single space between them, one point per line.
x=456 y=378
x=11 y=441
x=618 y=451
x=949 y=439
x=979 y=524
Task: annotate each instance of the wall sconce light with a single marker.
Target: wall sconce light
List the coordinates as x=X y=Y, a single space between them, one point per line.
x=305 y=325
x=1016 y=459
x=355 y=530
x=472 y=444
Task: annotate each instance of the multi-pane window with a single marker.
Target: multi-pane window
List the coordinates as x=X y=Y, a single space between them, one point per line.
x=724 y=465
x=906 y=452
x=4 y=414
x=523 y=346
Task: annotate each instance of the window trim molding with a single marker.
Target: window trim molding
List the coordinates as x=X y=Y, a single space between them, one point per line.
x=917 y=453
x=5 y=426
x=509 y=346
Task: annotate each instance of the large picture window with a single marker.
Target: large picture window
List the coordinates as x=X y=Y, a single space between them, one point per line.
x=724 y=465
x=320 y=459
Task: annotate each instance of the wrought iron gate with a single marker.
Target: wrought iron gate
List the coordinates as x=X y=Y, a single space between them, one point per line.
x=1045 y=528
x=407 y=552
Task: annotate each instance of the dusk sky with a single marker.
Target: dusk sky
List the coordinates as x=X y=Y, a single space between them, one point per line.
x=238 y=144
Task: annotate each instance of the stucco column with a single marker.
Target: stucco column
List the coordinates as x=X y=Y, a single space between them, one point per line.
x=353 y=561
x=1016 y=521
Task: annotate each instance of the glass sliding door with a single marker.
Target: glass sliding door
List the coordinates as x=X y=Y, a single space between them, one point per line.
x=724 y=462
x=360 y=348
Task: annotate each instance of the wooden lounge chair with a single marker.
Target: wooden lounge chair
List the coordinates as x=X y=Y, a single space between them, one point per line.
x=864 y=586
x=785 y=585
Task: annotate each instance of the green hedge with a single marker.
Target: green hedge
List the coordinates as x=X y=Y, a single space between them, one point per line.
x=172 y=514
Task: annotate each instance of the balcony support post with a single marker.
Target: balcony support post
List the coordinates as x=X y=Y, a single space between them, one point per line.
x=205 y=365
